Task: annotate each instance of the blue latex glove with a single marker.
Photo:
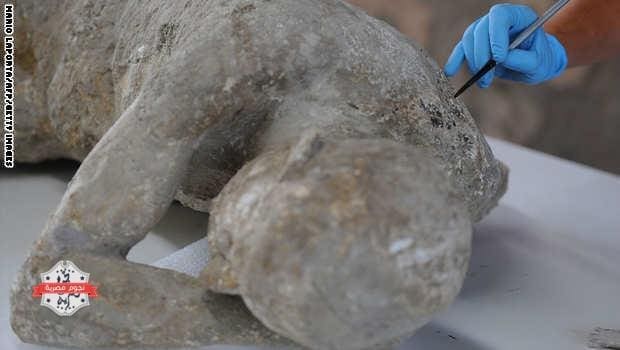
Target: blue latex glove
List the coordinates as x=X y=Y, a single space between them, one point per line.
x=541 y=57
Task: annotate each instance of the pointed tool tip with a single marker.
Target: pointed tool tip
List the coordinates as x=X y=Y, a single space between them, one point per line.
x=487 y=68
x=459 y=93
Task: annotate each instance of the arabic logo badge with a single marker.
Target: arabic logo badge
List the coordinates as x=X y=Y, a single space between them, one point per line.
x=64 y=288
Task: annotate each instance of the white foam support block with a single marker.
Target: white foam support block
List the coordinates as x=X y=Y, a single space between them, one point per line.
x=189 y=260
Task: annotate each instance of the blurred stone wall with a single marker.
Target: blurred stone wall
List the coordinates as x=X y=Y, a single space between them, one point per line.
x=576 y=116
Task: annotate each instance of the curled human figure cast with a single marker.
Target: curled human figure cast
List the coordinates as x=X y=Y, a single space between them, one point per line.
x=341 y=177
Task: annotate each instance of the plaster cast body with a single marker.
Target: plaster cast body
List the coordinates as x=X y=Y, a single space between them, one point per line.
x=164 y=100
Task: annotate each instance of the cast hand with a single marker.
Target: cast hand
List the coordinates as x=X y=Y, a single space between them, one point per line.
x=541 y=57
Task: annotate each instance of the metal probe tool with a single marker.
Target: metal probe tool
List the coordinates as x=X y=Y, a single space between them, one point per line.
x=515 y=44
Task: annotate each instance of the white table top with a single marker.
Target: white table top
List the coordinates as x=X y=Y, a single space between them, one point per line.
x=544 y=273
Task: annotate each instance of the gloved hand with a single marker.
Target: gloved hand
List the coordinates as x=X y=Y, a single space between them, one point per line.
x=542 y=57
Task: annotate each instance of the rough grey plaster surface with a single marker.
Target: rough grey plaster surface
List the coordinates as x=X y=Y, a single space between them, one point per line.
x=163 y=100
x=353 y=242
x=603 y=338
